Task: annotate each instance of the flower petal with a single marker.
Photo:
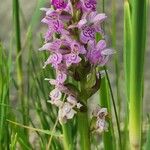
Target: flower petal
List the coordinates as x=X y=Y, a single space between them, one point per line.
x=82 y=23
x=61 y=77
x=55 y=94
x=107 y=51
x=72 y=100
x=99 y=18
x=101 y=45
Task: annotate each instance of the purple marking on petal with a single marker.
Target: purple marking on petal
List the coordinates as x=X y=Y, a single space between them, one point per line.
x=48 y=35
x=57 y=25
x=61 y=77
x=59 y=4
x=90 y=4
x=54 y=59
x=72 y=59
x=75 y=58
x=75 y=48
x=87 y=34
x=83 y=38
x=87 y=5
x=55 y=94
x=53 y=20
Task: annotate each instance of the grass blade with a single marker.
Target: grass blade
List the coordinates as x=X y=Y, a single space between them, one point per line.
x=138 y=41
x=21 y=96
x=108 y=137
x=127 y=58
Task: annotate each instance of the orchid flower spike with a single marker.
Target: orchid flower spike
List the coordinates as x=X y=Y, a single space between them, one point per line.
x=75 y=55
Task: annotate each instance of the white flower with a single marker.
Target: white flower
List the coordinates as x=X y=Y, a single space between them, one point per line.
x=101 y=125
x=72 y=100
x=55 y=96
x=100 y=112
x=66 y=112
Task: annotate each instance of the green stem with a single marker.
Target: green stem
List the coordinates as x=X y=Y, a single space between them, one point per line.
x=83 y=122
x=83 y=127
x=67 y=136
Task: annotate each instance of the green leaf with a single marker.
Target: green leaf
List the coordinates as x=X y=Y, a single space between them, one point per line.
x=35 y=129
x=91 y=79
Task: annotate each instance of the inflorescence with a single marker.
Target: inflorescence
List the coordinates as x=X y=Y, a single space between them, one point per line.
x=76 y=55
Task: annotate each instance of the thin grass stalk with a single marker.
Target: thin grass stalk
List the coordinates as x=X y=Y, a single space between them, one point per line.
x=5 y=78
x=21 y=95
x=9 y=78
x=108 y=137
x=116 y=60
x=127 y=45
x=1 y=98
x=127 y=57
x=115 y=109
x=4 y=98
x=137 y=72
